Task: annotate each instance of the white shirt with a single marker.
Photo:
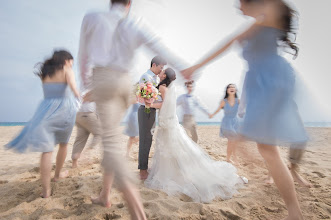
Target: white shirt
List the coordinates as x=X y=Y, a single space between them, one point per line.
x=87 y=107
x=149 y=76
x=109 y=39
x=189 y=103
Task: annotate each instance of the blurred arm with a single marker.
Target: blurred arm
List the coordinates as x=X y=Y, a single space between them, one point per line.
x=218 y=109
x=201 y=106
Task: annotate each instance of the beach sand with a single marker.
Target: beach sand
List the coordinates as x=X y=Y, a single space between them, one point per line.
x=20 y=185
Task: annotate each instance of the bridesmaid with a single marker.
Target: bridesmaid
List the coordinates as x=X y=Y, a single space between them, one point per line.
x=270 y=114
x=53 y=120
x=132 y=128
x=229 y=125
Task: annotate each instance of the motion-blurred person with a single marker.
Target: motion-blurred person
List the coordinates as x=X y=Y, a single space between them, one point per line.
x=229 y=125
x=132 y=128
x=189 y=103
x=270 y=114
x=108 y=43
x=87 y=122
x=53 y=120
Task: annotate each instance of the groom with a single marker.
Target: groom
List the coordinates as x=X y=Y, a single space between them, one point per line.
x=147 y=120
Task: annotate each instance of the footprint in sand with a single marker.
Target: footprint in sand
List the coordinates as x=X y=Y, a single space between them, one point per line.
x=151 y=206
x=112 y=215
x=148 y=195
x=35 y=170
x=192 y=208
x=321 y=175
x=230 y=215
x=168 y=206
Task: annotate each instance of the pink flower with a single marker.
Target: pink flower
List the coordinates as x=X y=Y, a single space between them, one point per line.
x=149 y=85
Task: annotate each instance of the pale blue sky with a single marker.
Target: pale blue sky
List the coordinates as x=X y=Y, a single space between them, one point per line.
x=30 y=30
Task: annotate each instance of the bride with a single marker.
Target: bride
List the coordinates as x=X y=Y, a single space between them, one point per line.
x=179 y=164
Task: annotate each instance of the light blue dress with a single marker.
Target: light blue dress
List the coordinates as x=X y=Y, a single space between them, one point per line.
x=52 y=122
x=271 y=114
x=229 y=125
x=132 y=128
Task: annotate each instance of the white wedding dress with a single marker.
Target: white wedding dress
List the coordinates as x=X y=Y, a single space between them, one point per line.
x=181 y=166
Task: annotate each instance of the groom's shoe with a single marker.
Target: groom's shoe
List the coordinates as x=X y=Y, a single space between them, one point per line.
x=143 y=174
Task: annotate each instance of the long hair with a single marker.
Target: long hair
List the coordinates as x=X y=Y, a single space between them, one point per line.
x=287 y=17
x=53 y=64
x=170 y=76
x=226 y=91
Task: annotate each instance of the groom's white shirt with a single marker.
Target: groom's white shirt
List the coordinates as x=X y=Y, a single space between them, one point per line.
x=149 y=76
x=109 y=39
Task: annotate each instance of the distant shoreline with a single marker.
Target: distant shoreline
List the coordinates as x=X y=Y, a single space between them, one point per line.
x=307 y=124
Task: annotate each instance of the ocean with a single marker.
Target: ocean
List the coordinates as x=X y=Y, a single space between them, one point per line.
x=307 y=124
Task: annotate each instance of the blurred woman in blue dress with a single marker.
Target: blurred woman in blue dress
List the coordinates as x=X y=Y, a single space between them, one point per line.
x=270 y=114
x=54 y=118
x=229 y=124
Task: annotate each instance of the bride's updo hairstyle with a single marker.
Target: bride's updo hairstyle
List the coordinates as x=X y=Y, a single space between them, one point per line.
x=170 y=76
x=53 y=64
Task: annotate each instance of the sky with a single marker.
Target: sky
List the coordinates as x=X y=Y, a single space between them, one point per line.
x=31 y=30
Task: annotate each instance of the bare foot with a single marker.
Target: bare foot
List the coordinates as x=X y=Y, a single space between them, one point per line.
x=101 y=201
x=46 y=194
x=62 y=175
x=269 y=180
x=299 y=179
x=143 y=174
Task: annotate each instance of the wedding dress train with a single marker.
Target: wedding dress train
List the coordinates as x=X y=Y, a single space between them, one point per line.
x=181 y=166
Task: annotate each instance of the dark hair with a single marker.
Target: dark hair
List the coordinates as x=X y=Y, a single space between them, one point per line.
x=287 y=19
x=189 y=83
x=158 y=61
x=124 y=2
x=226 y=91
x=170 y=76
x=55 y=63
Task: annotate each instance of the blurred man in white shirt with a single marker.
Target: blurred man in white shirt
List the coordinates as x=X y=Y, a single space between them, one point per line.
x=189 y=103
x=108 y=43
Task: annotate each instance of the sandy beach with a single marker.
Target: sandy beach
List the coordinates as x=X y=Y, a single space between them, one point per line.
x=20 y=185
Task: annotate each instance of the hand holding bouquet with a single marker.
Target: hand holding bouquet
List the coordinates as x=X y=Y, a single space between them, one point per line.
x=147 y=94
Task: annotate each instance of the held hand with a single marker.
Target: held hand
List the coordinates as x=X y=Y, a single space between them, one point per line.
x=187 y=73
x=211 y=115
x=87 y=97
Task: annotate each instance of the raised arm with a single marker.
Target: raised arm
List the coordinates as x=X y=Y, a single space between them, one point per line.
x=70 y=78
x=85 y=72
x=201 y=106
x=187 y=73
x=218 y=109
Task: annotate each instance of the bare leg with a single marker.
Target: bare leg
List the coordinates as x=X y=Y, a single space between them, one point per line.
x=131 y=195
x=75 y=163
x=45 y=173
x=104 y=197
x=231 y=150
x=282 y=178
x=297 y=177
x=60 y=158
x=143 y=174
x=129 y=146
x=269 y=179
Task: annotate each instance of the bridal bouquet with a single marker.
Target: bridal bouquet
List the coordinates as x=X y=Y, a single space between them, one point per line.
x=147 y=94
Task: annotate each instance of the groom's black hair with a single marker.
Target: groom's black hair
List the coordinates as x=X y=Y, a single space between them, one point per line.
x=124 y=2
x=158 y=61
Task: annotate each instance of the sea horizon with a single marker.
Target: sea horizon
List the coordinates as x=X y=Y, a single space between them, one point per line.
x=307 y=124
